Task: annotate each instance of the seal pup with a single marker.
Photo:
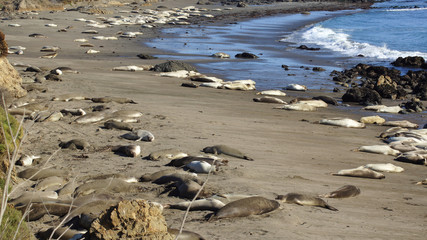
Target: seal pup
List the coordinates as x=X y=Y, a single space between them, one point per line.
x=77 y=143
x=220 y=55
x=206 y=204
x=296 y=87
x=245 y=207
x=170 y=153
x=127 y=113
x=200 y=167
x=148 y=177
x=372 y=119
x=139 y=135
x=38 y=210
x=304 y=200
x=272 y=93
x=118 y=125
x=361 y=172
x=26 y=160
x=299 y=107
x=267 y=99
x=379 y=149
x=345 y=191
x=112 y=99
x=223 y=149
x=179 y=162
x=423 y=182
x=402 y=123
x=342 y=122
x=53 y=183
x=50 y=55
x=128 y=150
x=69 y=97
x=384 y=167
x=391 y=132
x=414 y=157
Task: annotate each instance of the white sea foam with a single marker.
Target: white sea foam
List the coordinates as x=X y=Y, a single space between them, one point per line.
x=406 y=9
x=341 y=42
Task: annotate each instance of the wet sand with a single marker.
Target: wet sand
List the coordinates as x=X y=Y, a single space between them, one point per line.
x=291 y=152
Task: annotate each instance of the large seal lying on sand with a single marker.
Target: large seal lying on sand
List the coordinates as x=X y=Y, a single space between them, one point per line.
x=304 y=200
x=222 y=149
x=343 y=192
x=361 y=172
x=246 y=207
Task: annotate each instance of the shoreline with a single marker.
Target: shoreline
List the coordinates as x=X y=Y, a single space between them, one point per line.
x=291 y=152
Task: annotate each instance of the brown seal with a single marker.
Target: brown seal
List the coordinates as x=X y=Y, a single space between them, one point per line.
x=246 y=207
x=304 y=200
x=343 y=192
x=223 y=149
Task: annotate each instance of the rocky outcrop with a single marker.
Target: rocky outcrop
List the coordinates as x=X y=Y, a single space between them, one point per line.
x=388 y=82
x=30 y=5
x=172 y=66
x=362 y=95
x=131 y=219
x=416 y=61
x=10 y=79
x=246 y=55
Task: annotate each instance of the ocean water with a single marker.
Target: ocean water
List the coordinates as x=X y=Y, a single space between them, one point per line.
x=391 y=29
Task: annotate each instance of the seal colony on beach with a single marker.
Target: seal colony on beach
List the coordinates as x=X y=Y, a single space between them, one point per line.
x=110 y=107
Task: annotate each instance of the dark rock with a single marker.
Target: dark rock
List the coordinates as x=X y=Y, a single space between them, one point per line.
x=172 y=66
x=146 y=56
x=286 y=67
x=362 y=95
x=241 y=4
x=246 y=55
x=336 y=90
x=318 y=69
x=304 y=47
x=409 y=62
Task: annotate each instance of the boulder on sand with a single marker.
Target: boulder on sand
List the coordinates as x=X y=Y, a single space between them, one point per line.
x=173 y=66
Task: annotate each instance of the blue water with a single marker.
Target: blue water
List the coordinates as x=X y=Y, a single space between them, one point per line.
x=391 y=29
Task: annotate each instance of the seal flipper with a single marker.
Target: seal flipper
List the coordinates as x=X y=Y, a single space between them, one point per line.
x=330 y=207
x=248 y=158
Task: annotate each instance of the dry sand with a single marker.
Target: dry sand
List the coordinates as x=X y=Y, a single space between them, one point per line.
x=291 y=152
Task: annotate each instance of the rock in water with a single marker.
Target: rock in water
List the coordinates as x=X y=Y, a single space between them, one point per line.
x=134 y=219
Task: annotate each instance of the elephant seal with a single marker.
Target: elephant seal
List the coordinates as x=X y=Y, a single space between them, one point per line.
x=111 y=185
x=39 y=173
x=246 y=207
x=299 y=107
x=402 y=123
x=268 y=99
x=52 y=183
x=384 y=167
x=296 y=87
x=38 y=210
x=170 y=153
x=139 y=135
x=128 y=150
x=112 y=99
x=118 y=125
x=148 y=177
x=304 y=200
x=179 y=162
x=61 y=233
x=206 y=204
x=343 y=192
x=342 y=122
x=200 y=166
x=90 y=118
x=423 y=182
x=127 y=113
x=361 y=172
x=391 y=132
x=179 y=177
x=272 y=93
x=379 y=149
x=185 y=235
x=189 y=188
x=327 y=99
x=414 y=157
x=223 y=149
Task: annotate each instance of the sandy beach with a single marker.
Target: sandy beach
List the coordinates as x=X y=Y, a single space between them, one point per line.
x=291 y=152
